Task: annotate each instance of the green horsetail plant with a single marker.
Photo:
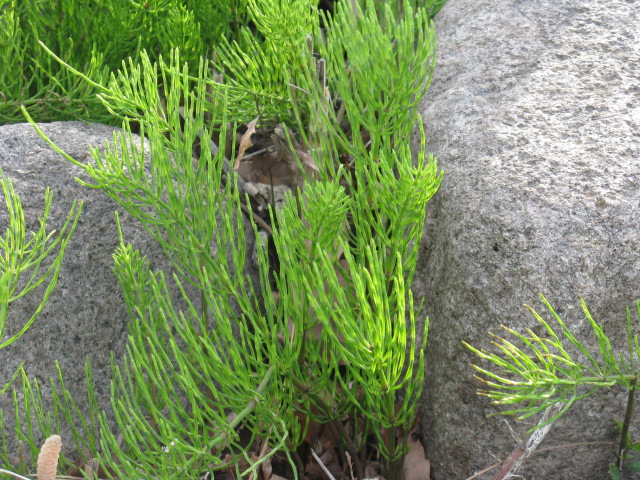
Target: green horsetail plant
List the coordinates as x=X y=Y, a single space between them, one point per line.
x=262 y=64
x=81 y=416
x=388 y=71
x=339 y=335
x=95 y=37
x=191 y=376
x=538 y=372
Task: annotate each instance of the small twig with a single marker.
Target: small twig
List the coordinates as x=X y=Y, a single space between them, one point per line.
x=261 y=126
x=350 y=465
x=528 y=445
x=486 y=470
x=249 y=156
x=299 y=88
x=9 y=472
x=326 y=470
x=566 y=445
x=257 y=219
x=537 y=452
x=627 y=421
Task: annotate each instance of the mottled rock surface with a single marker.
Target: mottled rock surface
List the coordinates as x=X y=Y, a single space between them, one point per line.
x=534 y=114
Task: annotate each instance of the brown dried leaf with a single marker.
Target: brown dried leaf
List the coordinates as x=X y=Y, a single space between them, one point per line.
x=296 y=179
x=267 y=469
x=416 y=466
x=245 y=142
x=267 y=169
x=309 y=164
x=296 y=158
x=371 y=469
x=328 y=439
x=332 y=462
x=90 y=468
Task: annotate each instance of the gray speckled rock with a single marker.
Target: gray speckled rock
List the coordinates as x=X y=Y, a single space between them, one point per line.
x=86 y=314
x=534 y=114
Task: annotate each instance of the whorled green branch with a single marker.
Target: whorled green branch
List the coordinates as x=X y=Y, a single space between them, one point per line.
x=537 y=372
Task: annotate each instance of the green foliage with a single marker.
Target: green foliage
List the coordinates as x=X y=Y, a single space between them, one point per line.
x=616 y=474
x=543 y=373
x=629 y=453
x=95 y=37
x=540 y=371
x=33 y=422
x=340 y=336
x=260 y=66
x=255 y=47
x=389 y=70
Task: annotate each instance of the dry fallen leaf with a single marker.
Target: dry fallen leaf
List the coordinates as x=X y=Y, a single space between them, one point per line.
x=295 y=159
x=370 y=471
x=267 y=469
x=245 y=142
x=416 y=466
